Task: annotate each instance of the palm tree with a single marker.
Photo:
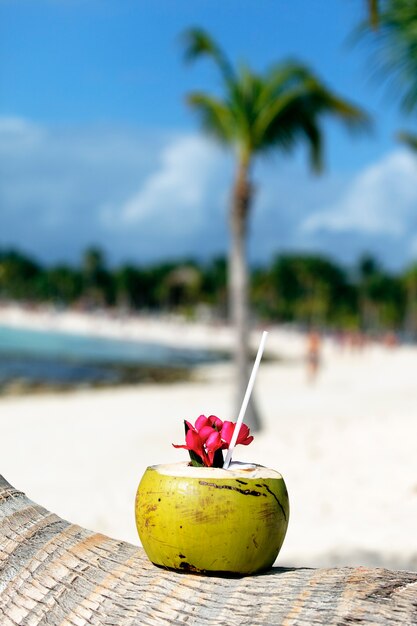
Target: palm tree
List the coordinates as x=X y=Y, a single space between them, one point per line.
x=259 y=114
x=393 y=27
x=368 y=272
x=410 y=283
x=95 y=277
x=396 y=49
x=409 y=139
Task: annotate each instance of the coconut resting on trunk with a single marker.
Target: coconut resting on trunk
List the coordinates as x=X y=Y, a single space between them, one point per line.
x=205 y=519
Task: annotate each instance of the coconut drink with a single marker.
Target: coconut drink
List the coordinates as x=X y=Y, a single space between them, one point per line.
x=211 y=515
x=207 y=519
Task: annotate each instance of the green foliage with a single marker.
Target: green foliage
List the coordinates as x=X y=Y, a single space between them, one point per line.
x=381 y=297
x=61 y=285
x=395 y=49
x=260 y=112
x=98 y=288
x=303 y=289
x=310 y=289
x=18 y=275
x=408 y=139
x=214 y=285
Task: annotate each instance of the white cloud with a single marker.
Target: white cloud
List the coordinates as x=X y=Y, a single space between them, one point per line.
x=54 y=179
x=379 y=201
x=138 y=194
x=17 y=133
x=146 y=196
x=178 y=188
x=14 y=125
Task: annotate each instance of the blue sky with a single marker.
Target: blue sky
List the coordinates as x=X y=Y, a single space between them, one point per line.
x=97 y=145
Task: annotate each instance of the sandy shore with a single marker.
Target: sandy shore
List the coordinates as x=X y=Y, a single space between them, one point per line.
x=173 y=331
x=345 y=445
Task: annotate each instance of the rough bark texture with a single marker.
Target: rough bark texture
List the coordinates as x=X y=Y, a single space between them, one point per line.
x=53 y=572
x=238 y=290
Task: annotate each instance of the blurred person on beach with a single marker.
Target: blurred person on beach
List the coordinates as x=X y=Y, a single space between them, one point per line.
x=313 y=355
x=390 y=340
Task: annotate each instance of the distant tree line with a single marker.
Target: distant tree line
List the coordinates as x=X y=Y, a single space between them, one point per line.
x=306 y=289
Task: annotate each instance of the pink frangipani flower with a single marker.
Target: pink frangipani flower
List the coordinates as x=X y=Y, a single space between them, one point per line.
x=208 y=437
x=242 y=438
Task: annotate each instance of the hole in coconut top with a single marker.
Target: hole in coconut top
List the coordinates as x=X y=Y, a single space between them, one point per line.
x=237 y=470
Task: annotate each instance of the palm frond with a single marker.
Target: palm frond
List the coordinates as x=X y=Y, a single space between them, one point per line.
x=409 y=139
x=272 y=108
x=242 y=98
x=293 y=102
x=353 y=117
x=395 y=50
x=275 y=110
x=198 y=43
x=315 y=141
x=214 y=115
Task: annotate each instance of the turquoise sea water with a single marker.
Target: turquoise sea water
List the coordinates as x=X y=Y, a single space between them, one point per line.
x=60 y=358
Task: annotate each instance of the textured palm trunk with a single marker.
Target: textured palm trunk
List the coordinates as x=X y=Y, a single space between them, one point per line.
x=53 y=573
x=239 y=289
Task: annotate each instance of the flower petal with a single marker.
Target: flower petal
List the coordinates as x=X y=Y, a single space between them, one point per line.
x=227 y=432
x=247 y=441
x=205 y=432
x=215 y=422
x=213 y=441
x=194 y=442
x=201 y=421
x=243 y=435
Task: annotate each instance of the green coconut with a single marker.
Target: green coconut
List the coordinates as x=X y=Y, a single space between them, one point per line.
x=205 y=519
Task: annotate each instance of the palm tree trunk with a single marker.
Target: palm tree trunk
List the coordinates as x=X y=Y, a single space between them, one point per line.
x=55 y=573
x=238 y=289
x=373 y=11
x=410 y=325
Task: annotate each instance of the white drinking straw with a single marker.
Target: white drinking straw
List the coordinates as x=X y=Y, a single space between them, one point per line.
x=245 y=401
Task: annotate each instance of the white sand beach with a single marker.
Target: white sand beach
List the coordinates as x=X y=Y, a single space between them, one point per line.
x=345 y=445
